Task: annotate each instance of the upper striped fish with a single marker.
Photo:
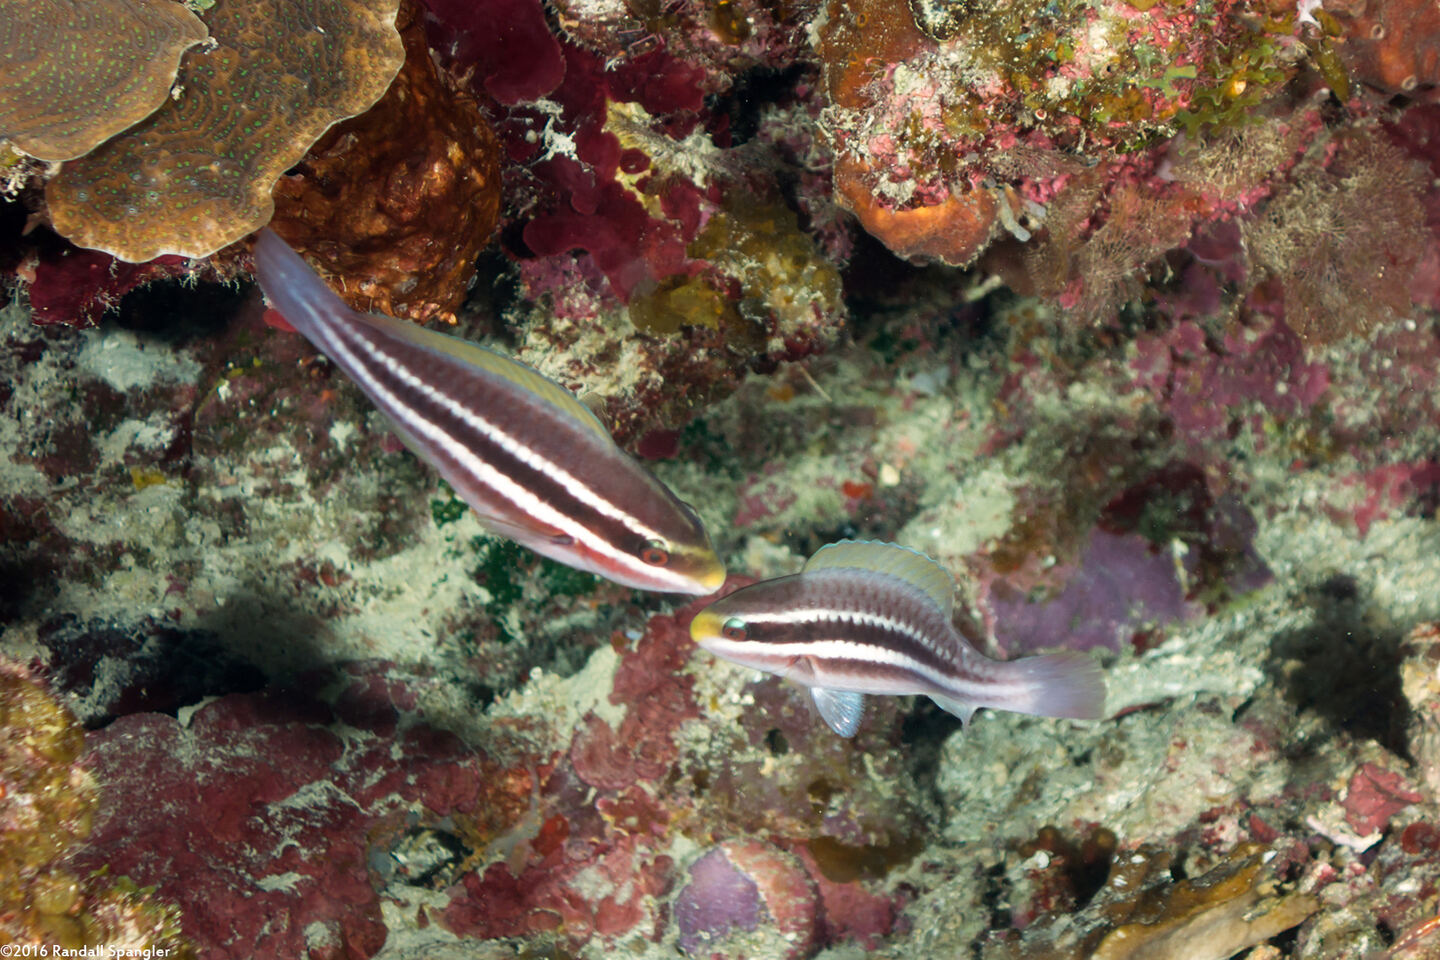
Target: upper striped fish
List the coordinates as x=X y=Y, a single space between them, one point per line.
x=534 y=463
x=865 y=617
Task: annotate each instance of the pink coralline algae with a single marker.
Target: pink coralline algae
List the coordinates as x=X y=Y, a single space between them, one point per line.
x=264 y=823
x=657 y=700
x=75 y=287
x=617 y=840
x=1204 y=388
x=1384 y=491
x=1373 y=796
x=1122 y=588
x=607 y=892
x=603 y=856
x=593 y=872
x=848 y=910
x=231 y=863
x=731 y=889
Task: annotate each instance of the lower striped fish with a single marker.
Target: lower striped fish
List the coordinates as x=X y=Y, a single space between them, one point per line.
x=866 y=617
x=531 y=460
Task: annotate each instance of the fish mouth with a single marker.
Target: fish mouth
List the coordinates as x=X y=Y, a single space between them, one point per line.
x=705 y=626
x=712 y=579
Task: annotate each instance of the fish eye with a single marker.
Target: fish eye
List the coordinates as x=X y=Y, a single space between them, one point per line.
x=654 y=553
x=733 y=629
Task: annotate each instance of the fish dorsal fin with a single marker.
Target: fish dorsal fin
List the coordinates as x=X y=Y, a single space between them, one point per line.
x=909 y=565
x=841 y=709
x=595 y=403
x=527 y=378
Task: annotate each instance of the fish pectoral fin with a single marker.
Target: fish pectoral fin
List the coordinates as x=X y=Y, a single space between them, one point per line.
x=841 y=709
x=959 y=708
x=524 y=533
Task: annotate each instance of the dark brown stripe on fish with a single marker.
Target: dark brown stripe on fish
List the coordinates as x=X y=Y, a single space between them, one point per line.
x=865 y=608
x=545 y=434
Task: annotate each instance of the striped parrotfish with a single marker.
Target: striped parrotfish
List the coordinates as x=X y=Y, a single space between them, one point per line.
x=533 y=462
x=867 y=617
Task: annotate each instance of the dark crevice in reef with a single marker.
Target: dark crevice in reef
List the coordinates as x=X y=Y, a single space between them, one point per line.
x=1345 y=665
x=996 y=899
x=176 y=314
x=877 y=283
x=494 y=293
x=745 y=102
x=109 y=670
x=924 y=732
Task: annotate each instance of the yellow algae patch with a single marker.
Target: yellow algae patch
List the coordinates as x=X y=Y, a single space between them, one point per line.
x=48 y=802
x=197 y=175
x=74 y=75
x=144 y=477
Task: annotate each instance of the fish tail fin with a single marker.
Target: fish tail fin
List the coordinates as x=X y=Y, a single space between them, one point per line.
x=1068 y=684
x=294 y=289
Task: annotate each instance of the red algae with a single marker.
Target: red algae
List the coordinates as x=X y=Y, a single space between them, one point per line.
x=289 y=812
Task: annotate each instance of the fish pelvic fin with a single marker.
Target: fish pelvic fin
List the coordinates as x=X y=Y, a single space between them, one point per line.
x=525 y=533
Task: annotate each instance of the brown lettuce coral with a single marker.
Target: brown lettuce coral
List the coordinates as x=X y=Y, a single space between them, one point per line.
x=197 y=175
x=74 y=75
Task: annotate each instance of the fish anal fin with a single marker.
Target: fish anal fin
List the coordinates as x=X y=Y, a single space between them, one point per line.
x=841 y=709
x=958 y=708
x=909 y=565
